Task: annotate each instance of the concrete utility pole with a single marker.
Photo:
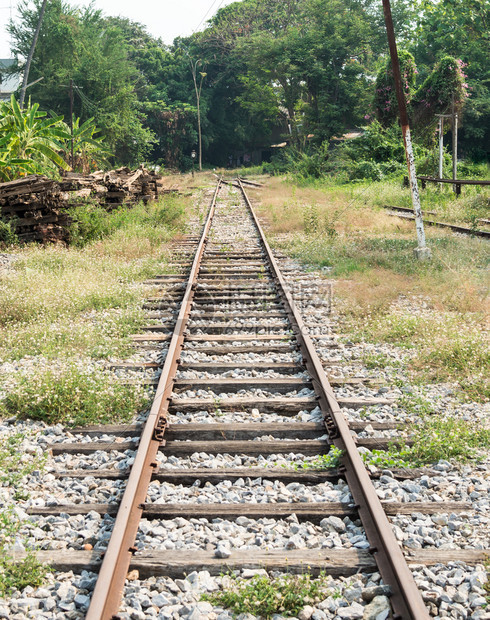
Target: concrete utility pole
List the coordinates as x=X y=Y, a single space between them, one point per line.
x=422 y=252
x=198 y=90
x=30 y=55
x=441 y=145
x=455 y=143
x=71 y=122
x=441 y=118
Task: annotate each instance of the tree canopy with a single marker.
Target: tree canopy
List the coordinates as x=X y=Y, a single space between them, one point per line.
x=307 y=70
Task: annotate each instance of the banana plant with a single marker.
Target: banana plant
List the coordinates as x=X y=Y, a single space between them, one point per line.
x=89 y=152
x=33 y=136
x=12 y=167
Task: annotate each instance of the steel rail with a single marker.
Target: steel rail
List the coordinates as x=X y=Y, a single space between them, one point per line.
x=406 y=598
x=407 y=214
x=108 y=591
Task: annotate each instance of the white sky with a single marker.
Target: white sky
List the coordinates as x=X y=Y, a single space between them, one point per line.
x=166 y=19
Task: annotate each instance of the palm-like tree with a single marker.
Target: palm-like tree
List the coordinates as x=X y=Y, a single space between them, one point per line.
x=31 y=136
x=88 y=151
x=11 y=167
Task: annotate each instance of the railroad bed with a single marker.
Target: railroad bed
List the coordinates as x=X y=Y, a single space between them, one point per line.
x=213 y=478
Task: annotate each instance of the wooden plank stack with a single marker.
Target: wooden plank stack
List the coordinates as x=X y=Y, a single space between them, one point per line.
x=36 y=207
x=116 y=187
x=39 y=206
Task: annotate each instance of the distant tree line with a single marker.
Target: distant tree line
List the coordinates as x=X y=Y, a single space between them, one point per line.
x=311 y=69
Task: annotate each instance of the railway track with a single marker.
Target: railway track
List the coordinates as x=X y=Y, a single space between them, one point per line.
x=406 y=213
x=241 y=386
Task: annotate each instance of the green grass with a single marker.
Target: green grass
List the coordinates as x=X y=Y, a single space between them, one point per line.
x=91 y=222
x=96 y=335
x=346 y=255
x=263 y=597
x=465 y=209
x=373 y=273
x=380 y=360
x=86 y=300
x=446 y=347
x=7 y=233
x=435 y=436
x=439 y=437
x=323 y=461
x=73 y=396
x=15 y=462
x=16 y=574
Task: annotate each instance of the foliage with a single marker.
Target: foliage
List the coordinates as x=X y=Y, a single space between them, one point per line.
x=459 y=29
x=73 y=396
x=15 y=463
x=264 y=597
x=433 y=437
x=301 y=71
x=325 y=461
x=17 y=574
x=443 y=87
x=437 y=437
x=7 y=232
x=91 y=222
x=89 y=152
x=385 y=101
x=80 y=44
x=31 y=139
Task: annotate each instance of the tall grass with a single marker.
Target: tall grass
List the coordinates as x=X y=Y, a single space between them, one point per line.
x=85 y=300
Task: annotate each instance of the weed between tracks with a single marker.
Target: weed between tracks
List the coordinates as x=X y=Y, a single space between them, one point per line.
x=12 y=467
x=15 y=573
x=263 y=596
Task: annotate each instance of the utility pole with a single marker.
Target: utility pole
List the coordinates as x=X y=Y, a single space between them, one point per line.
x=455 y=144
x=441 y=145
x=441 y=118
x=71 y=123
x=422 y=252
x=30 y=55
x=198 y=102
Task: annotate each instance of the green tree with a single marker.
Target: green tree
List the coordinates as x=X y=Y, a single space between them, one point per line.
x=460 y=29
x=80 y=44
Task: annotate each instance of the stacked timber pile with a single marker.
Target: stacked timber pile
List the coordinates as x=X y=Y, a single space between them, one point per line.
x=36 y=207
x=113 y=188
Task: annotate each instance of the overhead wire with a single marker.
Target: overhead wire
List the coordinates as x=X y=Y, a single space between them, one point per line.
x=207 y=13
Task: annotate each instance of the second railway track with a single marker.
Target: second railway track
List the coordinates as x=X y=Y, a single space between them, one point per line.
x=241 y=387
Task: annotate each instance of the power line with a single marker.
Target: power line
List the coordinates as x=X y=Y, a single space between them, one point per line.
x=207 y=13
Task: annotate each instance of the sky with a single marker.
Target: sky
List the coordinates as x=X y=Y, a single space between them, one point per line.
x=166 y=19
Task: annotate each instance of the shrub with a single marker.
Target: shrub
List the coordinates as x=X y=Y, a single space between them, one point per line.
x=72 y=396
x=91 y=222
x=7 y=233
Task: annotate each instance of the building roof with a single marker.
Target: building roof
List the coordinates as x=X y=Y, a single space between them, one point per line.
x=8 y=83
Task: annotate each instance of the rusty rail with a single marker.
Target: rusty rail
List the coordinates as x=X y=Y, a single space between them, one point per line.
x=408 y=215
x=406 y=598
x=110 y=583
